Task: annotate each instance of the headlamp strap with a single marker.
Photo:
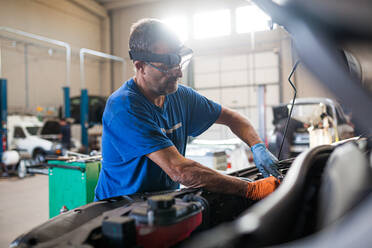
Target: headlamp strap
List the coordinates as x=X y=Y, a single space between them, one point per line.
x=168 y=59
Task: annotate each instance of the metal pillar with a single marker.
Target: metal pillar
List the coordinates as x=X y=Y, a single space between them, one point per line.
x=27 y=91
x=3 y=116
x=261 y=112
x=84 y=100
x=84 y=121
x=84 y=51
x=1 y=67
x=66 y=98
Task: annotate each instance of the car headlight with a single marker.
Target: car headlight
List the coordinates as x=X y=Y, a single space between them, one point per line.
x=57 y=148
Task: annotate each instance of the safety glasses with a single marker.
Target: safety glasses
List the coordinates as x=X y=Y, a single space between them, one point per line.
x=164 y=70
x=170 y=60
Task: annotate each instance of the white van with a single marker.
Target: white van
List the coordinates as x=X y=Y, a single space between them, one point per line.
x=22 y=135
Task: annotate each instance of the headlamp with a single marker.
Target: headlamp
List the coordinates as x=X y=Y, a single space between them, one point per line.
x=182 y=58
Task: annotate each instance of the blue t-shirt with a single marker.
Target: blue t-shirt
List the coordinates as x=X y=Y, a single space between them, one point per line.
x=134 y=127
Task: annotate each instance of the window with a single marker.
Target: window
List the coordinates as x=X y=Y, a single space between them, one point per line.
x=212 y=24
x=179 y=25
x=18 y=133
x=251 y=19
x=32 y=130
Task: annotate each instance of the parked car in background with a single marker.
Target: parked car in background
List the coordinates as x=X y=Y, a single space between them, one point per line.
x=311 y=112
x=51 y=130
x=96 y=108
x=22 y=135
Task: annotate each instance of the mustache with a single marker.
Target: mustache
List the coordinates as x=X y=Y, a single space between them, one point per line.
x=172 y=79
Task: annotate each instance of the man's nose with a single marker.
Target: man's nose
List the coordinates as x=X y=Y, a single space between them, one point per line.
x=177 y=72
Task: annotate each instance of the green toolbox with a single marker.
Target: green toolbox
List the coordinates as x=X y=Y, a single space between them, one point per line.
x=71 y=184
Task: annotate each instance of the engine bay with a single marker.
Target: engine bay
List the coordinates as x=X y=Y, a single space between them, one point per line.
x=159 y=219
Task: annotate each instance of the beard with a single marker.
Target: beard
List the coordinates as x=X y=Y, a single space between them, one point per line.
x=169 y=86
x=172 y=84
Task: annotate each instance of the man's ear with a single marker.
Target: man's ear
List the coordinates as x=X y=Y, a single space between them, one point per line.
x=139 y=66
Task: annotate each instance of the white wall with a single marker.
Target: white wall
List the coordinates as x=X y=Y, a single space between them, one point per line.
x=232 y=80
x=211 y=53
x=307 y=85
x=81 y=23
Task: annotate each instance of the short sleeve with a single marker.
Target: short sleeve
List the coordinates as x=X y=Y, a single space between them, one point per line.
x=203 y=113
x=133 y=132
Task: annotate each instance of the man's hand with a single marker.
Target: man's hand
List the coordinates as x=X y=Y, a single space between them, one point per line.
x=262 y=188
x=264 y=160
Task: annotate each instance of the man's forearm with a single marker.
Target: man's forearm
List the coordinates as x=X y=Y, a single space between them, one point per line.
x=196 y=175
x=193 y=174
x=240 y=126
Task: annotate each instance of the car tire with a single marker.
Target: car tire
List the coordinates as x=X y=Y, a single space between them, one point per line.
x=39 y=156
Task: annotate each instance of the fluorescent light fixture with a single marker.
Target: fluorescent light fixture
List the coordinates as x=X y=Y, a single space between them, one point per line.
x=212 y=24
x=251 y=19
x=179 y=25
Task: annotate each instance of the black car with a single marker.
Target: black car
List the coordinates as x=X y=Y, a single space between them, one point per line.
x=308 y=111
x=96 y=108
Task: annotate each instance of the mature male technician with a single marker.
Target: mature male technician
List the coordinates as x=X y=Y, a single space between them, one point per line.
x=146 y=123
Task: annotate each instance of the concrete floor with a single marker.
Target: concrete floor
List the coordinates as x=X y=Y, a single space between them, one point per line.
x=24 y=205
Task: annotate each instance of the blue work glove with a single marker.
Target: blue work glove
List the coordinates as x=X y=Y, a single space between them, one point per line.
x=265 y=160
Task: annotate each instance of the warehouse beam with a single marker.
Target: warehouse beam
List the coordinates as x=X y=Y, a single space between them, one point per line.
x=84 y=101
x=47 y=40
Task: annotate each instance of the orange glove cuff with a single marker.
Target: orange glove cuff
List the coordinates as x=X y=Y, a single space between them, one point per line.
x=261 y=188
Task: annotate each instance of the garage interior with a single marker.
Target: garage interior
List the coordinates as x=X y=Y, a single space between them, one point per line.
x=55 y=55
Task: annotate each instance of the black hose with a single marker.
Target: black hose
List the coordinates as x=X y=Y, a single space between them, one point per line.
x=293 y=101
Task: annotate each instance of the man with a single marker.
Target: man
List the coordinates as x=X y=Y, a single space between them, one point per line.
x=65 y=133
x=146 y=123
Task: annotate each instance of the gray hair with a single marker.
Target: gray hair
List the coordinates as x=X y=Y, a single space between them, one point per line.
x=145 y=33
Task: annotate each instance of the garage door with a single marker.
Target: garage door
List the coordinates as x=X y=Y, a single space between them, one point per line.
x=233 y=81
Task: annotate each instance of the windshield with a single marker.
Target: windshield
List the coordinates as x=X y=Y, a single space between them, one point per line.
x=32 y=130
x=51 y=127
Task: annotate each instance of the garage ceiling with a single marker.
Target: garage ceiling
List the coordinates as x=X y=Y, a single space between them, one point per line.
x=116 y=4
